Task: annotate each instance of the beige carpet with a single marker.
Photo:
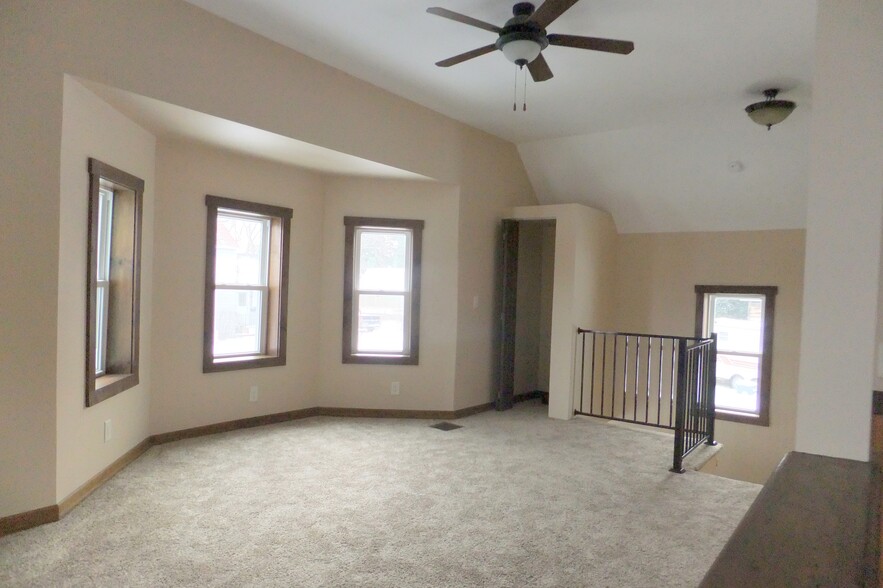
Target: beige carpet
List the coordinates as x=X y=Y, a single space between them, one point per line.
x=511 y=499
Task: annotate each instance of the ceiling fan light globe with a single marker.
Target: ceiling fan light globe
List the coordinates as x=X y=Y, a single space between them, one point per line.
x=522 y=51
x=771 y=112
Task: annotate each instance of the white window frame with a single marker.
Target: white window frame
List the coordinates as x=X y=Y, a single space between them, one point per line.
x=102 y=274
x=413 y=229
x=262 y=288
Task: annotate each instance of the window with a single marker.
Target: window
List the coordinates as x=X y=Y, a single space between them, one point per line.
x=381 y=300
x=742 y=317
x=246 y=284
x=113 y=281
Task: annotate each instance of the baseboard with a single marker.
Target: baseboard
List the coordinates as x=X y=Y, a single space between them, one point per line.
x=386 y=413
x=535 y=394
x=80 y=494
x=471 y=410
x=246 y=423
x=51 y=514
x=29 y=519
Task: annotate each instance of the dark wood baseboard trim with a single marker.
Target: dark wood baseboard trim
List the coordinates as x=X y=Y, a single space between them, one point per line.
x=246 y=423
x=384 y=413
x=80 y=494
x=29 y=519
x=471 y=410
x=51 y=514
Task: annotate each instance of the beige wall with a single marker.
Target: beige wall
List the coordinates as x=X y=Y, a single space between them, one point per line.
x=187 y=57
x=184 y=396
x=844 y=225
x=547 y=293
x=429 y=385
x=91 y=128
x=656 y=274
x=585 y=248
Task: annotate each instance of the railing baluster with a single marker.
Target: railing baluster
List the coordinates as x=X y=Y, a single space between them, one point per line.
x=592 y=390
x=671 y=382
x=647 y=389
x=637 y=377
x=613 y=384
x=692 y=367
x=582 y=373
x=603 y=372
x=659 y=385
x=625 y=374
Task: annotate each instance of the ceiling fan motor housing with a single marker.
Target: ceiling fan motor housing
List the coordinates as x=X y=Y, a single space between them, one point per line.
x=520 y=28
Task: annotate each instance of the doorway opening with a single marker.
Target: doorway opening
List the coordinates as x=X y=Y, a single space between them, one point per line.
x=526 y=329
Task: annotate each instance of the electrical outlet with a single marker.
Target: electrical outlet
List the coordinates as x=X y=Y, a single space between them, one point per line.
x=253 y=394
x=108 y=430
x=394 y=389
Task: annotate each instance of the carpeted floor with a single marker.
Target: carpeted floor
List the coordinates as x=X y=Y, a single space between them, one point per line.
x=511 y=499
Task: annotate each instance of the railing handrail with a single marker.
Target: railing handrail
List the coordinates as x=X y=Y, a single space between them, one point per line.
x=580 y=331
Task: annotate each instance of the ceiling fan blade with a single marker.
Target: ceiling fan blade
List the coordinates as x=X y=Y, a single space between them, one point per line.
x=466 y=56
x=550 y=10
x=595 y=44
x=445 y=13
x=539 y=69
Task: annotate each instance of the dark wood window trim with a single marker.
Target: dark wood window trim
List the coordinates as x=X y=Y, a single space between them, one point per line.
x=277 y=315
x=766 y=370
x=351 y=223
x=124 y=373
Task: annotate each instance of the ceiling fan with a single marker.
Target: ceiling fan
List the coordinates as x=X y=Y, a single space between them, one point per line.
x=523 y=37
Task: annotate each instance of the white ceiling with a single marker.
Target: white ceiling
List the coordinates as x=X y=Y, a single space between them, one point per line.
x=648 y=137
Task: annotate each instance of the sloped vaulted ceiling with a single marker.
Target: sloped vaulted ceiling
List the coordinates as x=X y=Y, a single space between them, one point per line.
x=658 y=138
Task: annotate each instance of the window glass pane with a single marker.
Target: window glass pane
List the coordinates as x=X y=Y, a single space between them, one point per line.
x=381 y=323
x=105 y=213
x=382 y=260
x=738 y=322
x=241 y=250
x=100 y=328
x=737 y=381
x=237 y=322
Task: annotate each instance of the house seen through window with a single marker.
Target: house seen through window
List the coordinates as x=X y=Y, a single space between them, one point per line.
x=742 y=317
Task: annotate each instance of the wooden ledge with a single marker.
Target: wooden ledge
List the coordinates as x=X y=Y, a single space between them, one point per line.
x=815 y=523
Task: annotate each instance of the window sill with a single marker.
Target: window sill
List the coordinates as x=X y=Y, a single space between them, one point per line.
x=110 y=385
x=367 y=358
x=746 y=418
x=229 y=364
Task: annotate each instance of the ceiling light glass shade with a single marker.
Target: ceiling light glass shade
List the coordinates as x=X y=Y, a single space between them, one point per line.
x=522 y=51
x=770 y=112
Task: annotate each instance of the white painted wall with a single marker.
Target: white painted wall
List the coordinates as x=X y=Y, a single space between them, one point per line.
x=91 y=128
x=585 y=241
x=843 y=232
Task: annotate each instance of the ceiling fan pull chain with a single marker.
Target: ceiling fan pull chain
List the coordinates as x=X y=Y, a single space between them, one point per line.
x=515 y=91
x=524 y=96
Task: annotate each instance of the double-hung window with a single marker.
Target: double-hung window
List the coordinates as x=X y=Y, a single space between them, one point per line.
x=246 y=284
x=742 y=317
x=113 y=281
x=102 y=274
x=381 y=308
